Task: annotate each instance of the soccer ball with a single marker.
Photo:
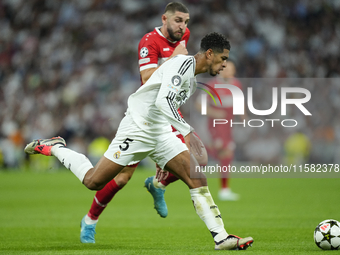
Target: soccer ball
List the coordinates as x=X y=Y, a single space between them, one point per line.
x=327 y=235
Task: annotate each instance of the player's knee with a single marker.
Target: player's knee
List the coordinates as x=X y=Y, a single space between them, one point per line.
x=93 y=185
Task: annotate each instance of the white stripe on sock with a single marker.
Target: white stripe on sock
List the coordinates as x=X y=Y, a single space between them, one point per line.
x=98 y=203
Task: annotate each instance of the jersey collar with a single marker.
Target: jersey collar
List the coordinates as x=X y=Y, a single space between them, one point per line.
x=158 y=30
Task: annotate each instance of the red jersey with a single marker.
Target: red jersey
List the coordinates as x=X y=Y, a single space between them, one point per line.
x=154 y=48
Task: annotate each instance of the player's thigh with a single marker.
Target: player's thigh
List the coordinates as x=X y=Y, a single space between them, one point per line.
x=103 y=172
x=183 y=165
x=125 y=175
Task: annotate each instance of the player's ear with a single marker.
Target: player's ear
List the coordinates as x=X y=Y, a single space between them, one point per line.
x=209 y=54
x=164 y=18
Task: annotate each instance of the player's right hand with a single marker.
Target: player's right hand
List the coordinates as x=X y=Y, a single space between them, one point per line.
x=180 y=49
x=196 y=145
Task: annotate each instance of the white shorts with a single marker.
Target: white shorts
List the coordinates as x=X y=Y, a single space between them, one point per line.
x=132 y=144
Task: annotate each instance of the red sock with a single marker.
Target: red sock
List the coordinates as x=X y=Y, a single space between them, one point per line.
x=224 y=183
x=171 y=178
x=102 y=198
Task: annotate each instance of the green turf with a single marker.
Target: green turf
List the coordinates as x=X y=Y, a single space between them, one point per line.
x=40 y=214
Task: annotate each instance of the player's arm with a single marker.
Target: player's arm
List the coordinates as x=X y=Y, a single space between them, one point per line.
x=146 y=74
x=176 y=75
x=165 y=102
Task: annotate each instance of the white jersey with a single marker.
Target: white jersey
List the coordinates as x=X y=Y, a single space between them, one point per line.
x=154 y=105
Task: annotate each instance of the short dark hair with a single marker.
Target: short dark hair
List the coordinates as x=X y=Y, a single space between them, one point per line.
x=215 y=41
x=176 y=6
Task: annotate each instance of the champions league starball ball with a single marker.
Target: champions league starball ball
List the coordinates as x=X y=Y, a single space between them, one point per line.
x=327 y=235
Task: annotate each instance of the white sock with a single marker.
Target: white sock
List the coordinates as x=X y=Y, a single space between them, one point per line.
x=74 y=161
x=208 y=212
x=158 y=184
x=89 y=221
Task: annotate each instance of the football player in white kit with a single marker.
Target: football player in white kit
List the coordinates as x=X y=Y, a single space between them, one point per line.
x=154 y=49
x=146 y=131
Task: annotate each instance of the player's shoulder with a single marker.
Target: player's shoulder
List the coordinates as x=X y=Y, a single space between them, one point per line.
x=150 y=37
x=183 y=63
x=181 y=59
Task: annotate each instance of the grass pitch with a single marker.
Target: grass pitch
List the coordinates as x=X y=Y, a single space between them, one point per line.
x=40 y=213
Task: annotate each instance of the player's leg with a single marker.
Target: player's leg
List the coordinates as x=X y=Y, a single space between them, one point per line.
x=157 y=191
x=224 y=145
x=204 y=204
x=200 y=155
x=93 y=178
x=180 y=162
x=225 y=193
x=100 y=201
x=105 y=195
x=124 y=150
x=157 y=188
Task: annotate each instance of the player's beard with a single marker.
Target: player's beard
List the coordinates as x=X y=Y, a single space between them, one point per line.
x=212 y=72
x=173 y=36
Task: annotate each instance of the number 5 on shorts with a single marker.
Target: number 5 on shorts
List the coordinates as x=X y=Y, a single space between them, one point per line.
x=126 y=142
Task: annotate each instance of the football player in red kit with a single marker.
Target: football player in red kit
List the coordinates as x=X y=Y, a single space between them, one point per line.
x=222 y=143
x=154 y=48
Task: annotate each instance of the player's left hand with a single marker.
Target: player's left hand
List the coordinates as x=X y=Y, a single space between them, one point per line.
x=161 y=174
x=180 y=49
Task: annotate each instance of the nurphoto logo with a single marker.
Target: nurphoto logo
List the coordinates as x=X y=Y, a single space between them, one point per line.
x=239 y=103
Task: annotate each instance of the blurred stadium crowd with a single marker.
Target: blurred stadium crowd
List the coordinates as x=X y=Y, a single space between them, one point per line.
x=67 y=67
